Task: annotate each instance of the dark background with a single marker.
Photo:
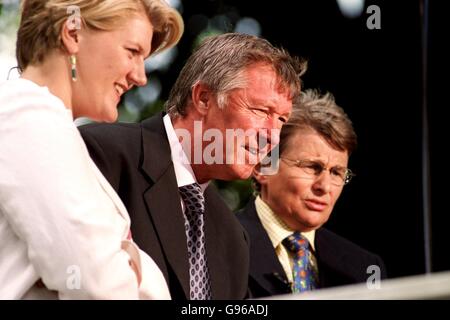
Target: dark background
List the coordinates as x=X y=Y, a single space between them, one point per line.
x=377 y=77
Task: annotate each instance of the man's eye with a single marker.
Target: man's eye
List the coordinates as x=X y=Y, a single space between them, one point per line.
x=260 y=112
x=316 y=167
x=311 y=167
x=338 y=172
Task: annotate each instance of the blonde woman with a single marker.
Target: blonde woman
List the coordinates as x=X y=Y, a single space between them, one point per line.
x=64 y=232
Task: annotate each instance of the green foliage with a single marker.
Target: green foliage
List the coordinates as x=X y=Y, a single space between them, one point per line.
x=152 y=109
x=235 y=193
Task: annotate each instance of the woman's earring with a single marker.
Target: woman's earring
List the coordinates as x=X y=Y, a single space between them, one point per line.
x=73 y=64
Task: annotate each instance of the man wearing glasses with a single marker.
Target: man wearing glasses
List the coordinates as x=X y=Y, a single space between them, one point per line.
x=290 y=250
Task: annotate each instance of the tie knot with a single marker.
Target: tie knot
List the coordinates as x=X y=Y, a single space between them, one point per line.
x=192 y=196
x=296 y=243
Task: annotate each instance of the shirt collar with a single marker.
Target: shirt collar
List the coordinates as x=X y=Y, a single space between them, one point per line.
x=275 y=227
x=183 y=170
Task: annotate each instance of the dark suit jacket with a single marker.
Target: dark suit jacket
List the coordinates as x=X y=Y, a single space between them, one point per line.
x=340 y=262
x=136 y=160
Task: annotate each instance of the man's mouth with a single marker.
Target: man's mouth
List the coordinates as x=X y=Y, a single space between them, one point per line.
x=120 y=89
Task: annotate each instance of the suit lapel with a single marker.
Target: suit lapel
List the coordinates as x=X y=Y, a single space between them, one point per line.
x=162 y=198
x=110 y=192
x=265 y=267
x=332 y=264
x=214 y=249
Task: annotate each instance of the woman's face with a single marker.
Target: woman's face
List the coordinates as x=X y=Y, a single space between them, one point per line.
x=109 y=63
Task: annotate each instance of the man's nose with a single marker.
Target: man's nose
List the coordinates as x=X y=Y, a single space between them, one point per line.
x=323 y=182
x=268 y=137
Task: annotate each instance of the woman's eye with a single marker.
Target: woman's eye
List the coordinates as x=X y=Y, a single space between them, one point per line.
x=133 y=51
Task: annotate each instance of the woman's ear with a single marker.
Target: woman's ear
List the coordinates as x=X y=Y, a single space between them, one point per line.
x=201 y=98
x=70 y=37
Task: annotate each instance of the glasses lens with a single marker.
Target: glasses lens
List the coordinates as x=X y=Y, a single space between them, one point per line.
x=312 y=169
x=338 y=175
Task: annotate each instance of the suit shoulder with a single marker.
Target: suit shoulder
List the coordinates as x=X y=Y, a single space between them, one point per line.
x=111 y=135
x=341 y=244
x=248 y=212
x=110 y=130
x=240 y=214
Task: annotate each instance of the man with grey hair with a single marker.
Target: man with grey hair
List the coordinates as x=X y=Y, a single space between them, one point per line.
x=223 y=116
x=291 y=250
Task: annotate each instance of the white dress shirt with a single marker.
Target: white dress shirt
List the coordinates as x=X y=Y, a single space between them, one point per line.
x=183 y=170
x=60 y=220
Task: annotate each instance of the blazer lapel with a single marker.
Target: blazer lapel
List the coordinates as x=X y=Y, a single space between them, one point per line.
x=110 y=192
x=265 y=267
x=162 y=198
x=332 y=264
x=216 y=260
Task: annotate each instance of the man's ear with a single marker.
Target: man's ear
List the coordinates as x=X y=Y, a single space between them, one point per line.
x=70 y=38
x=201 y=98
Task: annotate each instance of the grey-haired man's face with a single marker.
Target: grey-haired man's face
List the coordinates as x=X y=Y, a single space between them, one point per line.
x=249 y=124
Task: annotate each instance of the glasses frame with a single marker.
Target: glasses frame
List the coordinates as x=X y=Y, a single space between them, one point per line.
x=348 y=173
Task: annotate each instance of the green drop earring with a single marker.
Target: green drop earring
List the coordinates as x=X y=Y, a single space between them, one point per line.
x=73 y=64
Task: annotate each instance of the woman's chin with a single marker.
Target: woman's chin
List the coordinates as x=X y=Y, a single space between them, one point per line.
x=110 y=116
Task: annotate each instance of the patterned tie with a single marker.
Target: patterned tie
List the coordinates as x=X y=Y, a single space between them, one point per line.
x=304 y=276
x=200 y=288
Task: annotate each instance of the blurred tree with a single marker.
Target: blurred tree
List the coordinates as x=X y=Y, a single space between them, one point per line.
x=9 y=22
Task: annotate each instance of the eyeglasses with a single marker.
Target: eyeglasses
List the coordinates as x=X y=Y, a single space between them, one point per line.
x=311 y=169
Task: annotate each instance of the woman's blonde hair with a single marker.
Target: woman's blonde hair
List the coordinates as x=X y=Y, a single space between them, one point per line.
x=42 y=21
